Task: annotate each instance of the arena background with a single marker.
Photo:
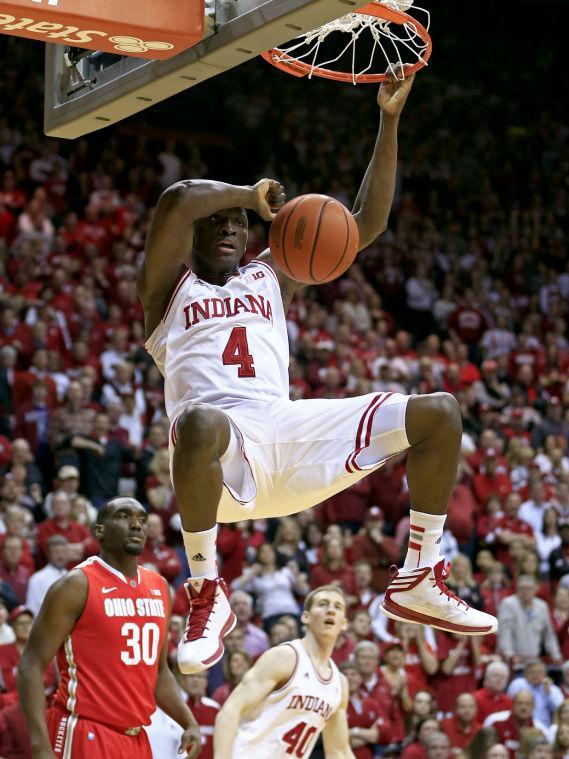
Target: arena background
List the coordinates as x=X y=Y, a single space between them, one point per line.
x=466 y=292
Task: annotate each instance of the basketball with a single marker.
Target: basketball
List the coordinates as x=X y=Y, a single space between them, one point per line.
x=314 y=239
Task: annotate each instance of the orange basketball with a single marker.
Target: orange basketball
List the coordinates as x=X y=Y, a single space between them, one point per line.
x=314 y=239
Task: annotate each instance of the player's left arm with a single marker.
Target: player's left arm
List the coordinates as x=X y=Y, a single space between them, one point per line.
x=335 y=735
x=168 y=698
x=373 y=203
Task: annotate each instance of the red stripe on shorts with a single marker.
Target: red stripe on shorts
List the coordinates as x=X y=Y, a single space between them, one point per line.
x=376 y=403
x=416 y=529
x=415 y=546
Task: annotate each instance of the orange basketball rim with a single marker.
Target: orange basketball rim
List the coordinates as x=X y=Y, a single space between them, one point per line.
x=394 y=31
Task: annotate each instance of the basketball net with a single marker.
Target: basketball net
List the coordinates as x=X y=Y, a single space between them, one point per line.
x=401 y=45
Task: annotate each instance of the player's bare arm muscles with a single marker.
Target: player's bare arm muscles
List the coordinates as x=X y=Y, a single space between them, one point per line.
x=170 y=237
x=271 y=671
x=373 y=203
x=335 y=735
x=62 y=607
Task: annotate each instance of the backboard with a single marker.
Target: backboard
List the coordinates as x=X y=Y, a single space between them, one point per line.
x=88 y=90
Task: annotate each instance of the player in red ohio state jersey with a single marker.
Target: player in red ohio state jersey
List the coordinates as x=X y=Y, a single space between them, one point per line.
x=107 y=623
x=240 y=448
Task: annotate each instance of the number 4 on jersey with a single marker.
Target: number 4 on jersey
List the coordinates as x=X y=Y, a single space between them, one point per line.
x=298 y=738
x=236 y=353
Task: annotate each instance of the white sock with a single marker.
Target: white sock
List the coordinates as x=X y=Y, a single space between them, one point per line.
x=425 y=532
x=201 y=552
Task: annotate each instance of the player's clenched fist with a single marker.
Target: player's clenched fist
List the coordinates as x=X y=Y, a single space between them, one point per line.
x=270 y=197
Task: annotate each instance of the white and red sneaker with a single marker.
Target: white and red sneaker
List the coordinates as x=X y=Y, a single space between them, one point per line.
x=209 y=621
x=421 y=595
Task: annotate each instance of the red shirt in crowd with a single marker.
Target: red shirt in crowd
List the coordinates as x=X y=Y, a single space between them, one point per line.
x=9 y=660
x=164 y=558
x=509 y=733
x=484 y=487
x=489 y=702
x=459 y=736
x=14 y=733
x=72 y=531
x=364 y=712
x=322 y=575
x=462 y=510
x=205 y=711
x=463 y=677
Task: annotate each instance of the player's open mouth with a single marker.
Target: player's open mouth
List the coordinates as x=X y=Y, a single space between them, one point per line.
x=226 y=246
x=329 y=622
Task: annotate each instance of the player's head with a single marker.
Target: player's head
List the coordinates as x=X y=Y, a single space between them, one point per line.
x=121 y=526
x=220 y=241
x=324 y=613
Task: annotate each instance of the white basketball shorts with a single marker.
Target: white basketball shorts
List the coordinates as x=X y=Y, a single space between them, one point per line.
x=286 y=456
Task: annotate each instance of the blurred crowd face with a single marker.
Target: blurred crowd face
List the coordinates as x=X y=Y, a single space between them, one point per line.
x=523 y=705
x=241 y=605
x=437 y=746
x=535 y=673
x=279 y=634
x=354 y=679
x=60 y=505
x=465 y=708
x=195 y=685
x=497 y=752
x=58 y=555
x=22 y=627
x=428 y=727
x=422 y=704
x=496 y=680
x=234 y=641
x=367 y=660
x=12 y=551
x=364 y=575
x=527 y=588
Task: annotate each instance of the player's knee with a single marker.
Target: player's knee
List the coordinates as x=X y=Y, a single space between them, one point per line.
x=437 y=414
x=200 y=429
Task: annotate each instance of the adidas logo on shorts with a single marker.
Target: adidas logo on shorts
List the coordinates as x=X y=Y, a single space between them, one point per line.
x=198 y=557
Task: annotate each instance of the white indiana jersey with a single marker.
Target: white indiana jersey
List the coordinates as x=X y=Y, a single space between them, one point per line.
x=222 y=344
x=290 y=719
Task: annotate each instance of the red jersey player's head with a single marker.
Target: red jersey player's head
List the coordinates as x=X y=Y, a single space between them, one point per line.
x=121 y=528
x=324 y=613
x=219 y=242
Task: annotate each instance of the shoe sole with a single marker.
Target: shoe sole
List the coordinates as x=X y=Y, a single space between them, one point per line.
x=399 y=613
x=228 y=627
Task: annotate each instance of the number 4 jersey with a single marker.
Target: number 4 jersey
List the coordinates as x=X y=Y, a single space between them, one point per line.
x=223 y=344
x=109 y=662
x=290 y=719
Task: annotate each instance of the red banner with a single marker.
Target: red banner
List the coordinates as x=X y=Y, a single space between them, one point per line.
x=141 y=28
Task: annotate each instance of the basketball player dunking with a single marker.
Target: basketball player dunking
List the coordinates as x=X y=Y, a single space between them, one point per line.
x=107 y=622
x=240 y=448
x=292 y=694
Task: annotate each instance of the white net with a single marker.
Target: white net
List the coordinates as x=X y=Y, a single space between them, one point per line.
x=393 y=45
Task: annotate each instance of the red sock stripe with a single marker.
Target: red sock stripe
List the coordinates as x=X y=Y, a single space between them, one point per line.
x=417 y=529
x=415 y=546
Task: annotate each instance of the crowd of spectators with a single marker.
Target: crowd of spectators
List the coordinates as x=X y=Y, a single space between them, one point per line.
x=466 y=292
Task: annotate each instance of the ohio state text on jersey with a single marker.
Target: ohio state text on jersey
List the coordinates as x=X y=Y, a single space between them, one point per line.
x=222 y=344
x=109 y=661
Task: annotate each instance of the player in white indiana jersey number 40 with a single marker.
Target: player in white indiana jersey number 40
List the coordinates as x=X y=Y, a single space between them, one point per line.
x=240 y=449
x=292 y=694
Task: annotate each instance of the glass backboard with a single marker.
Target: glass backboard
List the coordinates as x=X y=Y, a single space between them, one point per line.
x=88 y=90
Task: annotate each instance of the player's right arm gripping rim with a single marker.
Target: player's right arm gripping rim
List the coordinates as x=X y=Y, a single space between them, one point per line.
x=61 y=609
x=170 y=238
x=272 y=670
